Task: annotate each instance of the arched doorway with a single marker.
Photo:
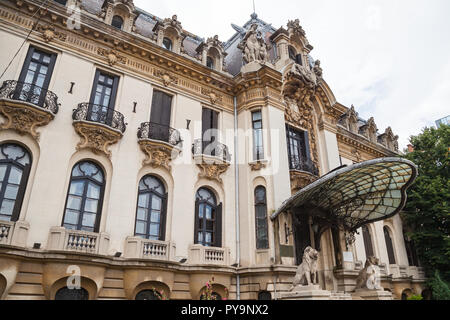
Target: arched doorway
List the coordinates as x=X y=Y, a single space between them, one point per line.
x=72 y=294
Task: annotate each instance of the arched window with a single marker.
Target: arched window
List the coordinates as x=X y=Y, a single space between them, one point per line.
x=367 y=242
x=264 y=295
x=210 y=62
x=151 y=209
x=389 y=245
x=167 y=44
x=85 y=198
x=208 y=219
x=411 y=251
x=72 y=294
x=262 y=234
x=292 y=53
x=148 y=295
x=15 y=164
x=117 y=22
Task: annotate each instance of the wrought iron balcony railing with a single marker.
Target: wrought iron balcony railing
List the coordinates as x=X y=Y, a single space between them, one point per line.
x=27 y=92
x=212 y=149
x=155 y=131
x=100 y=114
x=301 y=164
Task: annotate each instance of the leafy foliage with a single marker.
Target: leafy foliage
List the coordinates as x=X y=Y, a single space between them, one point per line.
x=427 y=213
x=441 y=290
x=418 y=298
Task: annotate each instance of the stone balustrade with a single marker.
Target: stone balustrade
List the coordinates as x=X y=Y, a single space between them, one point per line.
x=6 y=231
x=199 y=254
x=61 y=239
x=14 y=233
x=139 y=248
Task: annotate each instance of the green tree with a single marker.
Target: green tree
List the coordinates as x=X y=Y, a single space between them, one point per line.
x=427 y=213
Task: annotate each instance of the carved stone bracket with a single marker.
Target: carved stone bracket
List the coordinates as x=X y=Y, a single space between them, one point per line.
x=49 y=33
x=213 y=97
x=96 y=138
x=258 y=165
x=166 y=77
x=111 y=56
x=300 y=180
x=157 y=155
x=212 y=171
x=24 y=119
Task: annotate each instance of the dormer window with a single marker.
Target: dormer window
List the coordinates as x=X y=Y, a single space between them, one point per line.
x=62 y=2
x=210 y=62
x=167 y=44
x=292 y=53
x=117 y=22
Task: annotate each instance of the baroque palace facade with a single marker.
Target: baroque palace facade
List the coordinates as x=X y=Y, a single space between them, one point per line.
x=107 y=117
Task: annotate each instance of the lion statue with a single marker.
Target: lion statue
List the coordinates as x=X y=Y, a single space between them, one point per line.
x=369 y=277
x=307 y=271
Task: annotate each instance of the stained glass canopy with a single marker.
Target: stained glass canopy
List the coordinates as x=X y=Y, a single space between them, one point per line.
x=356 y=195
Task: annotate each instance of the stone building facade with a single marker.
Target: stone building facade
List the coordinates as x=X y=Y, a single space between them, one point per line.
x=108 y=115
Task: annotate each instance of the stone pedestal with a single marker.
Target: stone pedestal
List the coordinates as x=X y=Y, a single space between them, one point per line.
x=364 y=294
x=312 y=292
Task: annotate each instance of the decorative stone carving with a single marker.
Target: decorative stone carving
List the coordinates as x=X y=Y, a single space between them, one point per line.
x=156 y=155
x=357 y=155
x=296 y=27
x=112 y=56
x=167 y=78
x=213 y=97
x=300 y=180
x=212 y=171
x=349 y=120
x=24 y=119
x=389 y=140
x=49 y=33
x=307 y=274
x=369 y=277
x=369 y=130
x=96 y=138
x=254 y=47
x=258 y=165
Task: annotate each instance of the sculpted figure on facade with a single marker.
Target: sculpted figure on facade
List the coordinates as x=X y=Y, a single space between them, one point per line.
x=254 y=47
x=307 y=272
x=296 y=27
x=369 y=277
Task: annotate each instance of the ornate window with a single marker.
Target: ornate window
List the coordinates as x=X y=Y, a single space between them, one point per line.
x=168 y=44
x=85 y=198
x=298 y=151
x=208 y=219
x=117 y=22
x=15 y=165
x=262 y=234
x=72 y=294
x=151 y=209
x=367 y=242
x=35 y=76
x=103 y=98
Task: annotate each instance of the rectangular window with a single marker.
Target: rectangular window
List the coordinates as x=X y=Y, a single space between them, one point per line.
x=160 y=116
x=35 y=76
x=298 y=148
x=210 y=125
x=258 y=146
x=103 y=98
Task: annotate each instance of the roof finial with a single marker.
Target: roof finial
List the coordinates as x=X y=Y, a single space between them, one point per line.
x=254 y=15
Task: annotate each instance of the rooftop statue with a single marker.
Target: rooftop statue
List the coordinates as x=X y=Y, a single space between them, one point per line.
x=253 y=46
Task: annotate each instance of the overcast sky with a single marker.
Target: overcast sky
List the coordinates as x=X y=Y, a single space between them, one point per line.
x=389 y=58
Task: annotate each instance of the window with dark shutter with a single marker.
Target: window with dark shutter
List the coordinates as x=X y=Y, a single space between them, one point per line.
x=210 y=125
x=160 y=116
x=117 y=22
x=103 y=98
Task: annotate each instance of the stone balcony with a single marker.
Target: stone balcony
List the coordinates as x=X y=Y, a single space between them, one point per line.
x=201 y=255
x=26 y=107
x=161 y=144
x=62 y=239
x=98 y=126
x=144 y=249
x=14 y=233
x=212 y=158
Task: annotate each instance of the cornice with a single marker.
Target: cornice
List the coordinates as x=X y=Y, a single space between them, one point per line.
x=361 y=144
